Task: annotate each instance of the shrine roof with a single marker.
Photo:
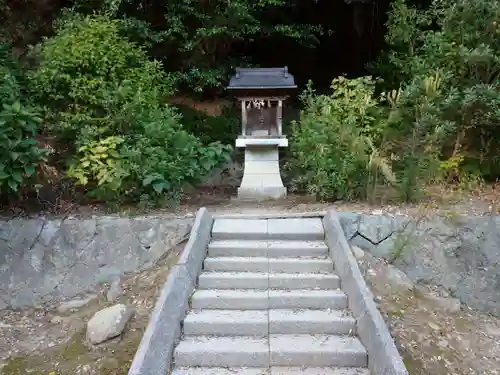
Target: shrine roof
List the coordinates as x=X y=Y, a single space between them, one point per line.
x=262 y=78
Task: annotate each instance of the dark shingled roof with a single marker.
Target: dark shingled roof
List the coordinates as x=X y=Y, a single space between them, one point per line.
x=262 y=78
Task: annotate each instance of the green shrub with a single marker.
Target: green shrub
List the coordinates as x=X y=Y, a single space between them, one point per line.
x=223 y=128
x=330 y=146
x=457 y=42
x=164 y=156
x=156 y=161
x=413 y=136
x=351 y=142
x=89 y=77
x=19 y=153
x=105 y=97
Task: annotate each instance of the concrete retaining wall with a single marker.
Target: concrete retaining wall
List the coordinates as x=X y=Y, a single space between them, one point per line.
x=459 y=253
x=46 y=260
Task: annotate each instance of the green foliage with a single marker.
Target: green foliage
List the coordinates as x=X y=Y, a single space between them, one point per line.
x=329 y=145
x=104 y=96
x=19 y=153
x=165 y=157
x=91 y=79
x=198 y=39
x=223 y=128
x=413 y=137
x=99 y=161
x=158 y=160
x=455 y=46
x=203 y=33
x=350 y=142
x=10 y=88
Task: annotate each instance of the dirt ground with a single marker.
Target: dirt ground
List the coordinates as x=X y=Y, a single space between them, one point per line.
x=432 y=341
x=432 y=338
x=440 y=343
x=481 y=200
x=45 y=342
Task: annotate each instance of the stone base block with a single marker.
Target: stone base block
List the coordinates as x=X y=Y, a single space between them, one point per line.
x=261 y=175
x=261 y=193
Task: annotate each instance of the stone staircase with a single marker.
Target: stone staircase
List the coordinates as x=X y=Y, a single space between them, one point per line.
x=269 y=304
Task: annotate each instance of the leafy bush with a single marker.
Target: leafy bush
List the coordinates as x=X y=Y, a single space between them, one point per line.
x=159 y=159
x=91 y=79
x=330 y=145
x=165 y=156
x=223 y=128
x=349 y=143
x=19 y=153
x=413 y=136
x=104 y=97
x=455 y=46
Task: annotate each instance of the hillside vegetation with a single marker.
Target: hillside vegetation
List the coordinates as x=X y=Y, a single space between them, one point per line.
x=83 y=96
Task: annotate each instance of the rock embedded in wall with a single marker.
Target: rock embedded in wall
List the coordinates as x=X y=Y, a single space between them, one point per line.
x=460 y=254
x=375 y=233
x=44 y=260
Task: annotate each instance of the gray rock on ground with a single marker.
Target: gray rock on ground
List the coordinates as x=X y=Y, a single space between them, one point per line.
x=115 y=291
x=108 y=323
x=357 y=252
x=398 y=278
x=75 y=304
x=381 y=272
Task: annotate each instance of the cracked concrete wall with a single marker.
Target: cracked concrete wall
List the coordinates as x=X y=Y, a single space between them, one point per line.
x=458 y=253
x=43 y=261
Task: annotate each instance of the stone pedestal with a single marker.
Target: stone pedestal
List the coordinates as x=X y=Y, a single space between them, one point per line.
x=261 y=175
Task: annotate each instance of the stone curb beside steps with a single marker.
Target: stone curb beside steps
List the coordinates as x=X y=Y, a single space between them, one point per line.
x=383 y=356
x=154 y=355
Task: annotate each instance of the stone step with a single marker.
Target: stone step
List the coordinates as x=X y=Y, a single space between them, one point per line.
x=273 y=265
x=230 y=299
x=304 y=281
x=237 y=264
x=307 y=299
x=219 y=299
x=302 y=229
x=211 y=351
x=237 y=248
x=300 y=265
x=253 y=323
x=240 y=229
x=233 y=280
x=317 y=350
x=332 y=322
x=263 y=281
x=224 y=371
x=295 y=229
x=272 y=371
x=278 y=249
x=317 y=371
